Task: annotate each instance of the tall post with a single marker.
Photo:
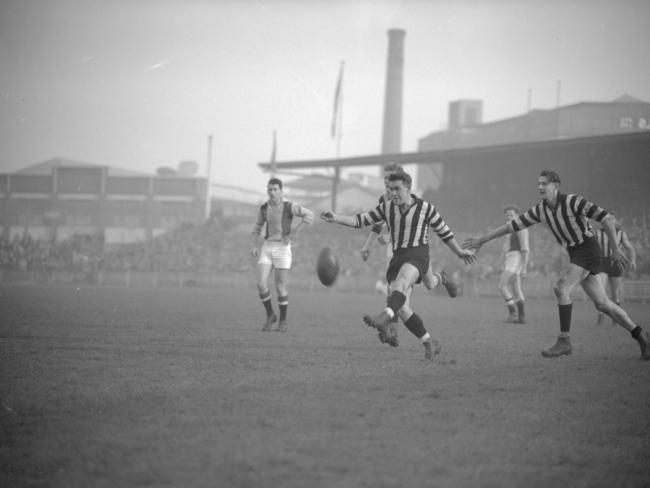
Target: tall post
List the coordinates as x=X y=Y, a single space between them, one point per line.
x=335 y=186
x=208 y=179
x=557 y=109
x=337 y=131
x=392 y=129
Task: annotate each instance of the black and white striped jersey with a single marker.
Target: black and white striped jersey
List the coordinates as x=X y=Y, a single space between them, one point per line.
x=567 y=221
x=408 y=229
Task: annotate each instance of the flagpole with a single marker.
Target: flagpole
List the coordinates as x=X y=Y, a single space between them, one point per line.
x=273 y=154
x=337 y=132
x=208 y=179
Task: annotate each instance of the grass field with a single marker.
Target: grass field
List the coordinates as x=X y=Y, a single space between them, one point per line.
x=120 y=387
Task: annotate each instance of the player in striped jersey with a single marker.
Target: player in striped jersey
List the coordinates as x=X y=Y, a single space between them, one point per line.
x=610 y=272
x=567 y=216
x=408 y=219
x=516 y=250
x=431 y=280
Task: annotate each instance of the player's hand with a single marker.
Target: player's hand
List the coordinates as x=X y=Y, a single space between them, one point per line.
x=467 y=256
x=619 y=258
x=288 y=239
x=383 y=239
x=255 y=252
x=471 y=243
x=327 y=216
x=365 y=253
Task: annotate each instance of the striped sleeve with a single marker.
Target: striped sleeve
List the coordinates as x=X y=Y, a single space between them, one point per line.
x=528 y=218
x=438 y=224
x=582 y=206
x=374 y=216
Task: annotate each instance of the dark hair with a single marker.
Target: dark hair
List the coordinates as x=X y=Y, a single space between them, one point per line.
x=551 y=176
x=511 y=207
x=392 y=166
x=275 y=181
x=401 y=176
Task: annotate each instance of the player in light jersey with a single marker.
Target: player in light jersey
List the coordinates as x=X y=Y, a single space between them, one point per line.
x=516 y=249
x=275 y=252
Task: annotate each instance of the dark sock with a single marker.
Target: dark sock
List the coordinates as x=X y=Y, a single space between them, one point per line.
x=395 y=301
x=636 y=332
x=520 y=308
x=284 y=304
x=266 y=301
x=565 y=317
x=415 y=325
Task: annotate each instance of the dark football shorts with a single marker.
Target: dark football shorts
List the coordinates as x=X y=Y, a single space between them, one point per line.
x=416 y=256
x=586 y=255
x=611 y=267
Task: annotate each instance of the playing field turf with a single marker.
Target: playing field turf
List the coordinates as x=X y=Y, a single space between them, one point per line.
x=120 y=387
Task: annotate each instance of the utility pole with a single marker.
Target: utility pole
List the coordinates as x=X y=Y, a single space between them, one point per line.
x=208 y=179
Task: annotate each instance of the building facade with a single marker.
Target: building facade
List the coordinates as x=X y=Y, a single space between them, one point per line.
x=65 y=198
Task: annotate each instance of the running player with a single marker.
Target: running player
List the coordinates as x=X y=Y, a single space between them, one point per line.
x=567 y=218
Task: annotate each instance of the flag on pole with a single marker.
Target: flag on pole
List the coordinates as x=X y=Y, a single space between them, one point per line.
x=273 y=152
x=337 y=101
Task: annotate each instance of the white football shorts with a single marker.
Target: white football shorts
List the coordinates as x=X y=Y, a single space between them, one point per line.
x=513 y=262
x=276 y=253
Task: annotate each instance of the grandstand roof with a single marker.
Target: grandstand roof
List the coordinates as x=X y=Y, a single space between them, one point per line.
x=321 y=183
x=425 y=157
x=46 y=167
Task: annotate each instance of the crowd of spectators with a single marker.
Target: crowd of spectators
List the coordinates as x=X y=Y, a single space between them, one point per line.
x=24 y=252
x=222 y=246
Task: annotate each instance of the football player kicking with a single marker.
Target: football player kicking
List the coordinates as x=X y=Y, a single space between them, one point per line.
x=408 y=219
x=377 y=235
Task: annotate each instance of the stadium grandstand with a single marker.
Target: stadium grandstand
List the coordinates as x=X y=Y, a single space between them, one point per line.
x=71 y=220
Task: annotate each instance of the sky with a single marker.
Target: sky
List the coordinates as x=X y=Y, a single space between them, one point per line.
x=142 y=84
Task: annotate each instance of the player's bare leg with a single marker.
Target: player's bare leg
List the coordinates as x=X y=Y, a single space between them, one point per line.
x=595 y=291
x=263 y=273
x=431 y=280
x=518 y=294
x=571 y=276
x=406 y=278
x=616 y=291
x=602 y=277
x=415 y=325
x=281 y=279
x=504 y=288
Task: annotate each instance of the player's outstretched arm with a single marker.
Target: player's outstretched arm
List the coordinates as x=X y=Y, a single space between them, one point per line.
x=467 y=255
x=333 y=218
x=475 y=243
